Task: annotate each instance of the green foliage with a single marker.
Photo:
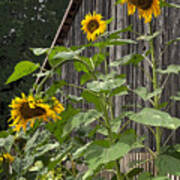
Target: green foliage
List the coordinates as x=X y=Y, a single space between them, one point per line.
x=157 y=118
x=170 y=69
x=96 y=138
x=143 y=93
x=22 y=69
x=126 y=60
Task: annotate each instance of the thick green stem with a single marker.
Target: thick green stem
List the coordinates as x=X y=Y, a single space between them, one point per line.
x=107 y=109
x=155 y=86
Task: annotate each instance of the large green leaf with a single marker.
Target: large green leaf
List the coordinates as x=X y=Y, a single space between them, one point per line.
x=106 y=85
x=58 y=128
x=22 y=69
x=97 y=155
x=84 y=118
x=81 y=67
x=59 y=54
x=168 y=164
x=129 y=59
x=157 y=118
x=170 y=69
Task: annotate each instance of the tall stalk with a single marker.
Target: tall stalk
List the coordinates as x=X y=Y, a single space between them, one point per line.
x=107 y=109
x=155 y=86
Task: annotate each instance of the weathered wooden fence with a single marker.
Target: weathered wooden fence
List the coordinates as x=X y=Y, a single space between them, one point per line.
x=168 y=23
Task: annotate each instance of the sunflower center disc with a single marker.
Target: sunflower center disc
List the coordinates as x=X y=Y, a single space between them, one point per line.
x=142 y=4
x=92 y=26
x=28 y=112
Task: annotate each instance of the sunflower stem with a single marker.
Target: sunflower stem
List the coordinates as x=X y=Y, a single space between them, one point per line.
x=155 y=86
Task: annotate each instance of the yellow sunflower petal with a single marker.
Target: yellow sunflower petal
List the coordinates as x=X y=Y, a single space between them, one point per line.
x=146 y=9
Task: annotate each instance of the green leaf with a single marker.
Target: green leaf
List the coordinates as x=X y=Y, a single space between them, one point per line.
x=170 y=69
x=98 y=58
x=84 y=118
x=38 y=165
x=120 y=91
x=58 y=128
x=85 y=77
x=106 y=85
x=173 y=5
x=115 y=125
x=114 y=34
x=143 y=93
x=93 y=97
x=81 y=67
x=133 y=172
x=161 y=178
x=168 y=164
x=145 y=176
x=157 y=118
x=109 y=20
x=68 y=55
x=55 y=87
x=97 y=155
x=3 y=134
x=126 y=60
x=39 y=51
x=148 y=37
x=39 y=137
x=45 y=148
x=112 y=42
x=172 y=41
x=118 y=2
x=74 y=98
x=7 y=142
x=22 y=69
x=61 y=53
x=80 y=151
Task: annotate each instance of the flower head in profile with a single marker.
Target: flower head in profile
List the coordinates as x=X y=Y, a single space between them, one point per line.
x=27 y=109
x=6 y=157
x=146 y=8
x=93 y=25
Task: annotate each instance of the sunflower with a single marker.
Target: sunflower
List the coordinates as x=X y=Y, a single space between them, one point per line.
x=146 y=8
x=27 y=109
x=6 y=157
x=93 y=25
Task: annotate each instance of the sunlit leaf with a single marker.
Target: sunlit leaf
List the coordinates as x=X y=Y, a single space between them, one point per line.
x=39 y=51
x=145 y=95
x=148 y=37
x=157 y=118
x=129 y=59
x=84 y=118
x=22 y=69
x=168 y=164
